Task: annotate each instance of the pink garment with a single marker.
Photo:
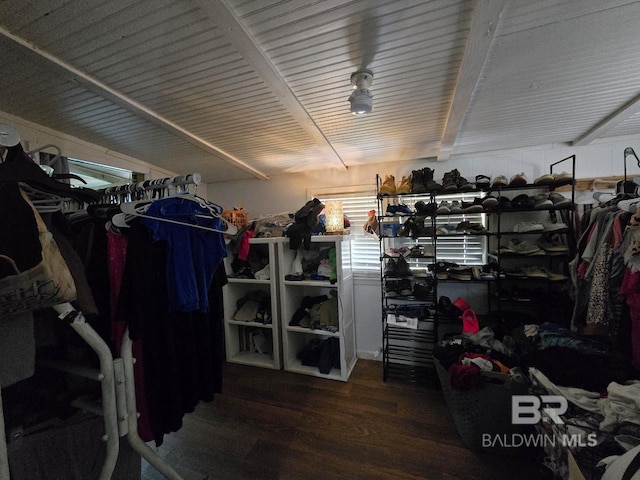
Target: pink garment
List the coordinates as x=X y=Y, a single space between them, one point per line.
x=243 y=249
x=117 y=255
x=469 y=322
x=630 y=290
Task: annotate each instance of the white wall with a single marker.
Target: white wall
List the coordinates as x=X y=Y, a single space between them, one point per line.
x=287 y=193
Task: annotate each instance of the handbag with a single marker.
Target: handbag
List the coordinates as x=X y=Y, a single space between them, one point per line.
x=46 y=284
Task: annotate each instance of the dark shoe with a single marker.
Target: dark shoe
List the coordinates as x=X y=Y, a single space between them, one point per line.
x=391 y=268
x=418 y=182
x=430 y=184
x=425 y=208
x=523 y=202
x=473 y=207
x=518 y=180
x=402 y=268
x=423 y=289
x=391 y=288
x=450 y=181
x=405 y=287
x=408 y=228
x=463 y=184
x=482 y=181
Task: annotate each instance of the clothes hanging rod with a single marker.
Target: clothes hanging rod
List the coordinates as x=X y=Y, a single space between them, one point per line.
x=157 y=184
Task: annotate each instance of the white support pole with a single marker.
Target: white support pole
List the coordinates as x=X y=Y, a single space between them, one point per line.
x=132 y=415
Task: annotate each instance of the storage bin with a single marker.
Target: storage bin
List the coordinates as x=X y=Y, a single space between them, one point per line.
x=485 y=413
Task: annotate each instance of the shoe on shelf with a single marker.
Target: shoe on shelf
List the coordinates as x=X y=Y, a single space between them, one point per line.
x=546 y=179
x=523 y=202
x=450 y=181
x=430 y=184
x=405 y=287
x=391 y=252
x=489 y=203
x=407 y=229
x=405 y=185
x=552 y=243
x=416 y=251
x=388 y=186
x=504 y=204
x=444 y=208
x=417 y=182
x=483 y=181
x=533 y=271
x=518 y=180
x=391 y=268
x=528 y=226
x=400 y=209
x=423 y=290
x=460 y=272
x=542 y=201
x=523 y=247
x=500 y=181
x=558 y=200
x=554 y=226
x=423 y=208
x=456 y=207
x=555 y=277
x=463 y=184
x=402 y=267
x=391 y=288
x=562 y=178
x=473 y=207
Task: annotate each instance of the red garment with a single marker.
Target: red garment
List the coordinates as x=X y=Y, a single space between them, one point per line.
x=117 y=255
x=630 y=290
x=464 y=377
x=244 y=247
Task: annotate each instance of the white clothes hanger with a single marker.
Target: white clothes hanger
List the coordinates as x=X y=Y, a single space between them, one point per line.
x=138 y=209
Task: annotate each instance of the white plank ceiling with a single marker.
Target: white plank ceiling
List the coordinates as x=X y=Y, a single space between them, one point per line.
x=254 y=88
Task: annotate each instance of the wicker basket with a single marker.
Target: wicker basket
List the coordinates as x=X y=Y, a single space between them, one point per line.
x=484 y=411
x=238 y=218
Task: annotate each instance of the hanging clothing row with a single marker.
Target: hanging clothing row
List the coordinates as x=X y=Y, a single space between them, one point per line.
x=156 y=272
x=606 y=275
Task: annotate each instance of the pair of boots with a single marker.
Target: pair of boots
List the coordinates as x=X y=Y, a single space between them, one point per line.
x=453 y=181
x=422 y=181
x=469 y=320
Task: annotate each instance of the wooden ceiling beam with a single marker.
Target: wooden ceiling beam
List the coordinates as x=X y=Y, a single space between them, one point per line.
x=626 y=111
x=485 y=24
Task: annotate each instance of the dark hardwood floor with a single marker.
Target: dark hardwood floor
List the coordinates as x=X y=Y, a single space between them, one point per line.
x=269 y=425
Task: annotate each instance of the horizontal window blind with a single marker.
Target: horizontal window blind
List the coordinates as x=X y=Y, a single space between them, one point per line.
x=365 y=249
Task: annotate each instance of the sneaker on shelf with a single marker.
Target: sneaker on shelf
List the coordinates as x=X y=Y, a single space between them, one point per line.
x=558 y=200
x=523 y=247
x=423 y=208
x=441 y=270
x=444 y=208
x=405 y=185
x=391 y=288
x=546 y=179
x=417 y=251
x=402 y=209
x=528 y=226
x=552 y=243
x=500 y=181
x=542 y=201
x=423 y=290
x=391 y=252
x=402 y=268
x=456 y=207
x=504 y=204
x=483 y=181
x=460 y=272
x=405 y=287
x=518 y=180
x=554 y=226
x=489 y=203
x=533 y=271
x=476 y=272
x=514 y=272
x=473 y=207
x=264 y=273
x=391 y=268
x=523 y=202
x=407 y=229
x=388 y=186
x=555 y=277
x=562 y=178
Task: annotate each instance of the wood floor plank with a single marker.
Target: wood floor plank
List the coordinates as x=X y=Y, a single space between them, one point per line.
x=275 y=425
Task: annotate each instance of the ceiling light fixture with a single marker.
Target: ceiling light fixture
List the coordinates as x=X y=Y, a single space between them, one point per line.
x=361 y=99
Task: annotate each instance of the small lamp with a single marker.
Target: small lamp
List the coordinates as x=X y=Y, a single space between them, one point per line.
x=334 y=217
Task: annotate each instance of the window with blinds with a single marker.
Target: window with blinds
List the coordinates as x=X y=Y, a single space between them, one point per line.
x=357 y=202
